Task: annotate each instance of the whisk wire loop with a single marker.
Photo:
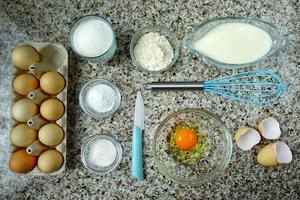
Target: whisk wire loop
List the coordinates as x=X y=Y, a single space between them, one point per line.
x=256 y=87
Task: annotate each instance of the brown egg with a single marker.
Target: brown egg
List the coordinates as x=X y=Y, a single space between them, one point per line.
x=52 y=83
x=50 y=161
x=25 y=83
x=24 y=109
x=23 y=56
x=22 y=135
x=22 y=162
x=51 y=134
x=52 y=109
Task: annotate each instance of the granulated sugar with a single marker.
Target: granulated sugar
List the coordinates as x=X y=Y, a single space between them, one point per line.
x=92 y=38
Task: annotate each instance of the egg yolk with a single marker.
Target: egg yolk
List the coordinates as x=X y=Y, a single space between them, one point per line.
x=186 y=139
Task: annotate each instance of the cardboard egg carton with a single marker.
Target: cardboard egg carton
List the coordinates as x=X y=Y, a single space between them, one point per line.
x=54 y=57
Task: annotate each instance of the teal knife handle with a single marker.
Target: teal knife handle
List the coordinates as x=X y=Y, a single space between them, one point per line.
x=137 y=155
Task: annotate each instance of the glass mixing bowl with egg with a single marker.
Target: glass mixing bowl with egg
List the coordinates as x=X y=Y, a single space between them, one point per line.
x=209 y=165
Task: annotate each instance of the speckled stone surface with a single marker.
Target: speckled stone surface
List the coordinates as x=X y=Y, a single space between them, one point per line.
x=46 y=21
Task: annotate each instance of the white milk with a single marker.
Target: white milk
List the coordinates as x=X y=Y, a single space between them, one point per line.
x=235 y=43
x=92 y=38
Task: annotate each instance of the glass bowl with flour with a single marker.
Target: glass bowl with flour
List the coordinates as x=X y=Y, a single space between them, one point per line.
x=154 y=48
x=92 y=37
x=100 y=98
x=101 y=153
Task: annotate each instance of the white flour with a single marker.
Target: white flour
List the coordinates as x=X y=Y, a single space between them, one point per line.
x=101 y=98
x=153 y=51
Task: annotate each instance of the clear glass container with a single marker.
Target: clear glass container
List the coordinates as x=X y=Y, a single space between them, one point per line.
x=215 y=159
x=85 y=148
x=171 y=37
x=278 y=41
x=105 y=57
x=87 y=109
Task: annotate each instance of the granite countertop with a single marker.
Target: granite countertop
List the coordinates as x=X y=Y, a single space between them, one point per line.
x=46 y=21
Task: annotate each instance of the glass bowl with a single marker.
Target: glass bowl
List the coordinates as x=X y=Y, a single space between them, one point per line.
x=171 y=37
x=105 y=57
x=278 y=41
x=87 y=109
x=215 y=159
x=85 y=153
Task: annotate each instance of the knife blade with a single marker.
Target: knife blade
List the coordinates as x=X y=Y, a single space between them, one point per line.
x=137 y=171
x=139 y=111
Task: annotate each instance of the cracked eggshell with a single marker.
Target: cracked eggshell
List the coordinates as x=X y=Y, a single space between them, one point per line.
x=274 y=154
x=246 y=138
x=283 y=153
x=269 y=128
x=267 y=156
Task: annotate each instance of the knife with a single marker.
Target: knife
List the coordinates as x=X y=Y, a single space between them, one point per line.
x=137 y=148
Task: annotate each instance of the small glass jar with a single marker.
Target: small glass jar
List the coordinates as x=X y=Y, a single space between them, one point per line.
x=87 y=109
x=102 y=58
x=85 y=150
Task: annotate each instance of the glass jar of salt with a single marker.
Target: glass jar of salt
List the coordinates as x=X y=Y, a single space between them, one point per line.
x=100 y=98
x=101 y=153
x=92 y=37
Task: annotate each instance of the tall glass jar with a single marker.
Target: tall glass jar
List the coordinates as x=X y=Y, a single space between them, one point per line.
x=85 y=40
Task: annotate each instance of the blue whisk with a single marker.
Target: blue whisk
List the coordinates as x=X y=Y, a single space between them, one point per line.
x=255 y=87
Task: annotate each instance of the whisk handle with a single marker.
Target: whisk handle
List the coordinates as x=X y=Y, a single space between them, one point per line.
x=174 y=86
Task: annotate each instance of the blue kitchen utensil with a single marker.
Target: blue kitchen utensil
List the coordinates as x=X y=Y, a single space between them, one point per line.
x=137 y=170
x=256 y=87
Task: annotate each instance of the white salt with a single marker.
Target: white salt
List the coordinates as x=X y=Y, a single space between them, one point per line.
x=92 y=38
x=102 y=153
x=101 y=98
